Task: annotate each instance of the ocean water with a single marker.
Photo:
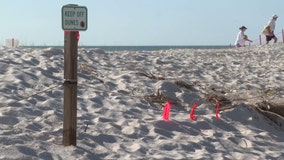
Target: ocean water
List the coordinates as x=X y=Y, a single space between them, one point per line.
x=153 y=48
x=138 y=48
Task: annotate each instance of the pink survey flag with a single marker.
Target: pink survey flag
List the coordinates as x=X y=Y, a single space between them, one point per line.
x=167 y=109
x=192 y=116
x=217 y=110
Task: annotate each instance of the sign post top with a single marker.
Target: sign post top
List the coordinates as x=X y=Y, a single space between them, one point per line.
x=74 y=17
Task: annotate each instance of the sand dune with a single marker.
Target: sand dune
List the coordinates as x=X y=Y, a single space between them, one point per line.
x=121 y=95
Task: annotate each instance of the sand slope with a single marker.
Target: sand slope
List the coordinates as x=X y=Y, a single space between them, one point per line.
x=118 y=119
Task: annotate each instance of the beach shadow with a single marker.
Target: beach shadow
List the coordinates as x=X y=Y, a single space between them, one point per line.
x=195 y=128
x=49 y=52
x=3 y=67
x=100 y=139
x=104 y=138
x=34 y=126
x=166 y=128
x=27 y=151
x=8 y=120
x=91 y=154
x=221 y=124
x=45 y=155
x=48 y=73
x=32 y=62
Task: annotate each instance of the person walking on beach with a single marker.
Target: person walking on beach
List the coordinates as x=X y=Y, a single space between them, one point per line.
x=269 y=29
x=242 y=38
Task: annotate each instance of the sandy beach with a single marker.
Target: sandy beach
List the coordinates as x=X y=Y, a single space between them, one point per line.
x=121 y=95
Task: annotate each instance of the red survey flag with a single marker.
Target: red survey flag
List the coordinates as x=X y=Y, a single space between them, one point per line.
x=217 y=110
x=192 y=116
x=167 y=109
x=78 y=34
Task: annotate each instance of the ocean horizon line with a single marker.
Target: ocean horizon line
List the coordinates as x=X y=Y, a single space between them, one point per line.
x=138 y=47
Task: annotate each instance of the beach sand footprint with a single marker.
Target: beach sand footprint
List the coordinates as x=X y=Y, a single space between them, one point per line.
x=242 y=142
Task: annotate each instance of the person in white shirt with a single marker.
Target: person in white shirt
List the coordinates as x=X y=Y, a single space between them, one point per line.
x=270 y=28
x=242 y=38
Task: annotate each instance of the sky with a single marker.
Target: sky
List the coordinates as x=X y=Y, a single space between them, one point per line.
x=140 y=22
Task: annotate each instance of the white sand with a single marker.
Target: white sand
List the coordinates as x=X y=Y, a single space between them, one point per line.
x=116 y=122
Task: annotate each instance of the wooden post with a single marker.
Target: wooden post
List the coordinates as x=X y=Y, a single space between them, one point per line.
x=260 y=39
x=283 y=35
x=13 y=43
x=70 y=88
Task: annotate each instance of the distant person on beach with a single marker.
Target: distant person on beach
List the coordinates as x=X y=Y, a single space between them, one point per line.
x=242 y=38
x=268 y=30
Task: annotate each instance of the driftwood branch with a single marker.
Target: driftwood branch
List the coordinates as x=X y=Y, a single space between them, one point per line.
x=150 y=75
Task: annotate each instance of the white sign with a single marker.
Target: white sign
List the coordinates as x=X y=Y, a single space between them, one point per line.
x=12 y=43
x=74 y=18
